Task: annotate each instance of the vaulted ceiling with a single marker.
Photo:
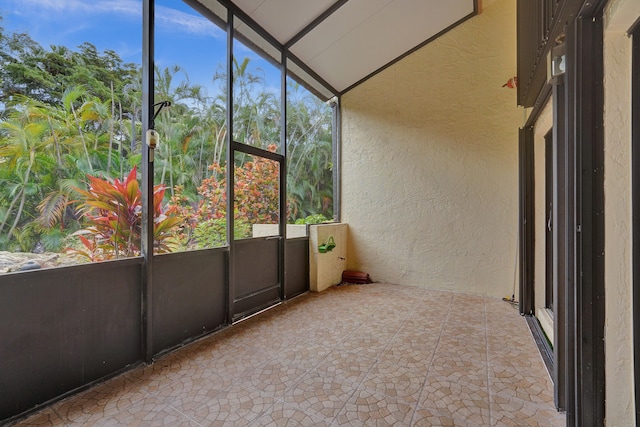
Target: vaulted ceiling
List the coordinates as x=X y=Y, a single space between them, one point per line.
x=346 y=41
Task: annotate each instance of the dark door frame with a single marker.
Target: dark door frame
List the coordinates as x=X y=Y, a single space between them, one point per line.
x=234 y=147
x=634 y=32
x=267 y=295
x=586 y=106
x=563 y=242
x=579 y=220
x=549 y=225
x=526 y=220
x=578 y=204
x=580 y=223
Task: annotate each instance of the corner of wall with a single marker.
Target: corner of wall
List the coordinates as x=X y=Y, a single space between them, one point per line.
x=430 y=162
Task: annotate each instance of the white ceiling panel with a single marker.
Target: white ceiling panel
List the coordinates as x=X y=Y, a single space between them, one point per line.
x=353 y=15
x=360 y=37
x=284 y=18
x=384 y=36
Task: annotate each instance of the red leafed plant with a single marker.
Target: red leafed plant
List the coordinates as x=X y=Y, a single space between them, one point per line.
x=114 y=212
x=256 y=202
x=256 y=192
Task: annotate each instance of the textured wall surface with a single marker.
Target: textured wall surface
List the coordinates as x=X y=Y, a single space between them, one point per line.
x=430 y=183
x=325 y=269
x=617 y=187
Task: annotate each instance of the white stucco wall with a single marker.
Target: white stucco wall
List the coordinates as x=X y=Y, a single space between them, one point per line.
x=430 y=182
x=325 y=269
x=619 y=391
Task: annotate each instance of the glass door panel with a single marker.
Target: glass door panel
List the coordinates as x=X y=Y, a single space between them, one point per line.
x=257 y=196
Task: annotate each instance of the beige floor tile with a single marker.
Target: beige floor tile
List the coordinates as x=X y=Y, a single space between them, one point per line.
x=424 y=337
x=47 y=417
x=274 y=378
x=512 y=411
x=344 y=366
x=458 y=400
x=306 y=355
x=150 y=411
x=465 y=331
x=417 y=358
x=367 y=342
x=192 y=385
x=528 y=363
x=283 y=415
x=428 y=318
x=393 y=314
x=238 y=361
x=374 y=354
x=527 y=387
x=320 y=394
x=381 y=328
x=426 y=417
x=460 y=370
x=367 y=408
x=238 y=405
x=396 y=380
x=104 y=400
x=453 y=347
x=324 y=336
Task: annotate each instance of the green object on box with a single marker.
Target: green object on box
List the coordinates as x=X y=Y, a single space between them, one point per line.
x=328 y=246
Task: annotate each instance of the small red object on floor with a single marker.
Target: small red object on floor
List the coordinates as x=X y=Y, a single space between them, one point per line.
x=359 y=277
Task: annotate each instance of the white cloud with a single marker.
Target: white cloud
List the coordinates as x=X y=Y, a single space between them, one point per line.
x=129 y=7
x=186 y=22
x=165 y=17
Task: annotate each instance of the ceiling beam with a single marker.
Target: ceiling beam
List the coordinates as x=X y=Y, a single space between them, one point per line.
x=312 y=73
x=306 y=30
x=252 y=23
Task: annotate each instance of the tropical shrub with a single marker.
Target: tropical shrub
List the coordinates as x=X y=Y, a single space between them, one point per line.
x=313 y=219
x=213 y=232
x=113 y=209
x=256 y=195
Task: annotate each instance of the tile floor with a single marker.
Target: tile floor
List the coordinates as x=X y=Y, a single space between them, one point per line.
x=361 y=355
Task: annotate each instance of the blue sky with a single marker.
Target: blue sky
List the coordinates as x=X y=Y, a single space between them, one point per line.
x=182 y=35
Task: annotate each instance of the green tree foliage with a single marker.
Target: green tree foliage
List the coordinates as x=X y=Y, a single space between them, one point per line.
x=44 y=74
x=256 y=113
x=63 y=116
x=70 y=117
x=309 y=154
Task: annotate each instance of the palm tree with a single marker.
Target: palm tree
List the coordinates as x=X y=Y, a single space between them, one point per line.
x=175 y=124
x=309 y=153
x=19 y=148
x=256 y=115
x=72 y=123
